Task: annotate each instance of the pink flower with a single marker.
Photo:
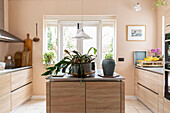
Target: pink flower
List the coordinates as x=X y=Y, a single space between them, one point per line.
x=153 y=50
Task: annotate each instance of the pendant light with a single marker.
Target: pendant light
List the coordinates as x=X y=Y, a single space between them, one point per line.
x=82 y=34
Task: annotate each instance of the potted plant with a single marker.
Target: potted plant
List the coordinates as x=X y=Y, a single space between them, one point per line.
x=158 y=3
x=75 y=62
x=108 y=65
x=48 y=58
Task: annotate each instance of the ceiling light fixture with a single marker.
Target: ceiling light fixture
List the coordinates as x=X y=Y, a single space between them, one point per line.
x=138 y=7
x=82 y=34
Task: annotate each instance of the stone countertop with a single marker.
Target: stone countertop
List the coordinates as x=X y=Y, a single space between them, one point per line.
x=158 y=70
x=91 y=78
x=5 y=71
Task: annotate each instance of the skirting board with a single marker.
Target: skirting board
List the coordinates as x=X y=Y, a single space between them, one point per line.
x=130 y=97
x=38 y=97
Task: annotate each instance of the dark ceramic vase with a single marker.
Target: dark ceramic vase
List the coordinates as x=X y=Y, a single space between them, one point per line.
x=108 y=66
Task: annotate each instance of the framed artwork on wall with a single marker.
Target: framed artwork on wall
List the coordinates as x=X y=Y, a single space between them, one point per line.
x=136 y=33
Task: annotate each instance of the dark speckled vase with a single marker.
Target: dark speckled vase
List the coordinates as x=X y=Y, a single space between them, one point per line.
x=108 y=66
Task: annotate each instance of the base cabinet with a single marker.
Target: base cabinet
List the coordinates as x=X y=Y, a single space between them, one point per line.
x=103 y=97
x=21 y=95
x=67 y=97
x=5 y=93
x=148 y=98
x=88 y=97
x=166 y=106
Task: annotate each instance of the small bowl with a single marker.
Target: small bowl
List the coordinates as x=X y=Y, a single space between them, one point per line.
x=2 y=65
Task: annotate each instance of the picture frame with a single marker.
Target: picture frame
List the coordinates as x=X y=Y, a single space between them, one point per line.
x=136 y=33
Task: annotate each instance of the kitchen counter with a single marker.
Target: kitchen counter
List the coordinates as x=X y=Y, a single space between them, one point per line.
x=92 y=77
x=94 y=94
x=5 y=71
x=158 y=70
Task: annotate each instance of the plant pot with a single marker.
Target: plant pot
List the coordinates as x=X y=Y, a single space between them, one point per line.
x=108 y=66
x=85 y=66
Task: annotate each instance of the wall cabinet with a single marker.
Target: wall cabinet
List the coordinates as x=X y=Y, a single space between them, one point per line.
x=5 y=93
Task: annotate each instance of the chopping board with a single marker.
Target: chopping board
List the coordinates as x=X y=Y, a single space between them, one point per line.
x=28 y=47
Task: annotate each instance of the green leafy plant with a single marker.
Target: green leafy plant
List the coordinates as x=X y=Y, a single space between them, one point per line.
x=48 y=58
x=159 y=3
x=109 y=55
x=69 y=61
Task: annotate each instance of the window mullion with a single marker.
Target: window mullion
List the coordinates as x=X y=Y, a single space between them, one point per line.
x=61 y=41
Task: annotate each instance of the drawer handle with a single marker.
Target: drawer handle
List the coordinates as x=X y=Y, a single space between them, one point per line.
x=147 y=88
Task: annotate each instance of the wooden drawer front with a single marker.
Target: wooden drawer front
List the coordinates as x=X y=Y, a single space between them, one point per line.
x=21 y=95
x=103 y=97
x=166 y=106
x=149 y=98
x=5 y=93
x=67 y=97
x=20 y=78
x=148 y=79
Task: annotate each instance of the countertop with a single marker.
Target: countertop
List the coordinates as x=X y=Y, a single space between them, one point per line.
x=158 y=70
x=91 y=78
x=5 y=71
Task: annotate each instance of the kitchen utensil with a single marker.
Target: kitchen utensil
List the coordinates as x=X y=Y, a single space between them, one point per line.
x=26 y=58
x=2 y=65
x=18 y=59
x=36 y=39
x=28 y=47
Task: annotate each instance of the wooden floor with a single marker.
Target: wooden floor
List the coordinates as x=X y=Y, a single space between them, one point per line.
x=39 y=106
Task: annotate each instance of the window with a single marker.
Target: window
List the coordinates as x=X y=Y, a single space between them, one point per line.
x=59 y=31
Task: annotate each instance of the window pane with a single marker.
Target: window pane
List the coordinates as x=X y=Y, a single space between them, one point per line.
x=107 y=40
x=52 y=39
x=69 y=43
x=87 y=44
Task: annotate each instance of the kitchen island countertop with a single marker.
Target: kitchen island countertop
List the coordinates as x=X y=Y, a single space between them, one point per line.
x=92 y=77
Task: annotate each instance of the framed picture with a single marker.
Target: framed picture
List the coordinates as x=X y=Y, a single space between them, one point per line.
x=136 y=32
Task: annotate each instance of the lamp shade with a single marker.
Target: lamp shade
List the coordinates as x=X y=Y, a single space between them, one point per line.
x=82 y=35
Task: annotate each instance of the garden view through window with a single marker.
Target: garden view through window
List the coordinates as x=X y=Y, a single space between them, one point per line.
x=59 y=36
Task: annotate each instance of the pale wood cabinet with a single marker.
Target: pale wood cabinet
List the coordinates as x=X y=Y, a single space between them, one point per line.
x=20 y=78
x=67 y=97
x=5 y=93
x=15 y=88
x=88 y=97
x=21 y=95
x=148 y=98
x=103 y=97
x=149 y=89
x=21 y=87
x=166 y=106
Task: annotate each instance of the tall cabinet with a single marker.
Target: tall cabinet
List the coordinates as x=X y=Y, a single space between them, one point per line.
x=5 y=93
x=1 y=14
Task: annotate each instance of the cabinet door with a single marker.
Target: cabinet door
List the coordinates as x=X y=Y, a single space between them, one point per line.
x=20 y=78
x=21 y=95
x=67 y=97
x=147 y=97
x=103 y=97
x=5 y=93
x=148 y=79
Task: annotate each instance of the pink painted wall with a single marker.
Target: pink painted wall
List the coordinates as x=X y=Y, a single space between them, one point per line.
x=23 y=14
x=3 y=51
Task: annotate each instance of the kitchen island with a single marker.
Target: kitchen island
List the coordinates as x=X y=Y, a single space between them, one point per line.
x=94 y=95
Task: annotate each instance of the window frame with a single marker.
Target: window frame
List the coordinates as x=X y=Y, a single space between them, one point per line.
x=61 y=21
